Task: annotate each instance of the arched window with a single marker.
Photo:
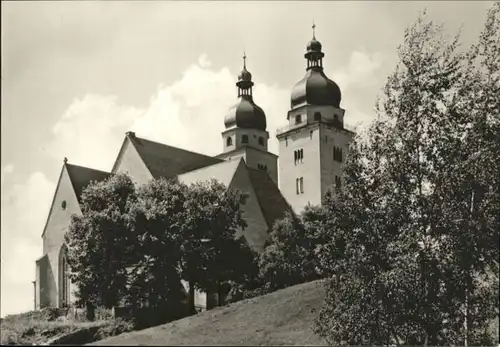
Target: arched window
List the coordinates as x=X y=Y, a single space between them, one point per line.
x=317 y=116
x=229 y=141
x=64 y=289
x=261 y=141
x=244 y=139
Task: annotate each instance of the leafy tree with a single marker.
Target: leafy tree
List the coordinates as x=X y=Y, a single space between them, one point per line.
x=290 y=256
x=136 y=244
x=99 y=242
x=401 y=215
x=211 y=256
x=158 y=215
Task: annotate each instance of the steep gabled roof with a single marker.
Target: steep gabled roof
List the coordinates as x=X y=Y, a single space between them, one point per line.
x=81 y=176
x=167 y=161
x=271 y=201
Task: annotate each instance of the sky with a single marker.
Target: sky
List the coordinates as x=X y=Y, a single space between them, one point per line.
x=77 y=75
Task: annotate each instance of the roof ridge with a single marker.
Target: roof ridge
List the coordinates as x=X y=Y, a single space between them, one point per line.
x=88 y=168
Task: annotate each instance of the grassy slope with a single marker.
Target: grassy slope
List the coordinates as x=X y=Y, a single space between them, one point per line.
x=284 y=317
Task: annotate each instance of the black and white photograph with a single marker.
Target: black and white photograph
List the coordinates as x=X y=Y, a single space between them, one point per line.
x=250 y=173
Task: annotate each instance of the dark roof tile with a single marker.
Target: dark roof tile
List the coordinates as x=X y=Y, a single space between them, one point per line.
x=81 y=176
x=167 y=161
x=271 y=201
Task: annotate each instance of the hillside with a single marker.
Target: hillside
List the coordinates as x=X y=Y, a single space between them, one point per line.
x=284 y=317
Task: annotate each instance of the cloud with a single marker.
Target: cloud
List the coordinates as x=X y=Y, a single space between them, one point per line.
x=6 y=170
x=91 y=129
x=360 y=70
x=24 y=211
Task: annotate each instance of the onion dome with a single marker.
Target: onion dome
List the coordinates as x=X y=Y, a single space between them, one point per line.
x=315 y=88
x=245 y=114
x=314 y=45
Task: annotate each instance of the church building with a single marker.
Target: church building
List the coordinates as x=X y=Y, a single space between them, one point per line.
x=312 y=147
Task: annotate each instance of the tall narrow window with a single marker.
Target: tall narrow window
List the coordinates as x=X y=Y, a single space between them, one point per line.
x=298 y=155
x=298 y=119
x=297 y=186
x=229 y=142
x=261 y=141
x=337 y=154
x=63 y=277
x=301 y=183
x=244 y=139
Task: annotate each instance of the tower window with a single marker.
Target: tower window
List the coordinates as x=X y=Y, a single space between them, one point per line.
x=298 y=155
x=262 y=167
x=299 y=185
x=298 y=119
x=336 y=121
x=63 y=205
x=337 y=154
x=317 y=116
x=261 y=141
x=244 y=139
x=229 y=141
x=338 y=182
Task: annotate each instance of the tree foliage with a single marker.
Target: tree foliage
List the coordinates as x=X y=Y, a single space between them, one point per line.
x=290 y=255
x=100 y=241
x=418 y=254
x=136 y=244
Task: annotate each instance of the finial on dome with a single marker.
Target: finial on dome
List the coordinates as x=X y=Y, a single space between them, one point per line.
x=244 y=59
x=65 y=160
x=314 y=31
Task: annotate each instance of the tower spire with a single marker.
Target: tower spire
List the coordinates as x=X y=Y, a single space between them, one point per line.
x=245 y=83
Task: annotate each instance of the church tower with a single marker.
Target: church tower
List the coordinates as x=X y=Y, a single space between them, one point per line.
x=245 y=135
x=314 y=144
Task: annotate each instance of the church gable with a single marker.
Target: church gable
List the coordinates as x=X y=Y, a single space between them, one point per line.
x=129 y=161
x=64 y=204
